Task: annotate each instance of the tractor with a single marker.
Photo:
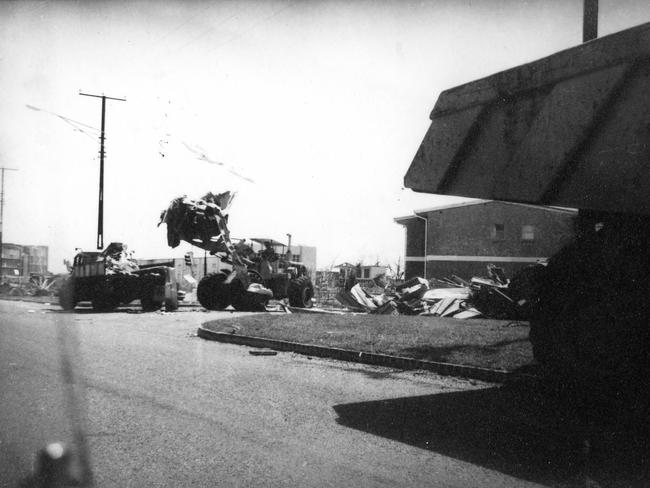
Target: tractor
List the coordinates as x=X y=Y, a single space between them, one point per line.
x=259 y=271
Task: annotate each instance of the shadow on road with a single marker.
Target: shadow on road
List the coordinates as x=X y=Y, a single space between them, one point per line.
x=510 y=429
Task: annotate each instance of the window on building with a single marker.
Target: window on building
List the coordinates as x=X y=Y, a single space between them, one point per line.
x=527 y=232
x=295 y=257
x=498 y=232
x=366 y=273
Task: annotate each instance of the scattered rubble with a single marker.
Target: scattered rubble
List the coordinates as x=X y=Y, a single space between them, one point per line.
x=494 y=296
x=118 y=261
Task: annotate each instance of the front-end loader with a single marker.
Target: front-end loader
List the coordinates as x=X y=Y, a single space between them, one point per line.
x=255 y=276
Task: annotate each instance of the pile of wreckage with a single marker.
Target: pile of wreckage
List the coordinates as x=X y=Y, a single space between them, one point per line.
x=493 y=297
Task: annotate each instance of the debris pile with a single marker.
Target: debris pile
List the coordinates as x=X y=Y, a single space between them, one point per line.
x=494 y=296
x=117 y=260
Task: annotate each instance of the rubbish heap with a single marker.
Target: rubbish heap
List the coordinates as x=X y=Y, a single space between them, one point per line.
x=493 y=297
x=117 y=260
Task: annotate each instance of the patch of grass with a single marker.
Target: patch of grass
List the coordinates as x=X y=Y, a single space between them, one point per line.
x=478 y=342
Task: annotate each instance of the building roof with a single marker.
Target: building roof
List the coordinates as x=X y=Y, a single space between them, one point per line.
x=416 y=213
x=261 y=240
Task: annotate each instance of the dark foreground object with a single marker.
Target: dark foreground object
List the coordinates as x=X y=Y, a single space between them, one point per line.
x=591 y=332
x=518 y=429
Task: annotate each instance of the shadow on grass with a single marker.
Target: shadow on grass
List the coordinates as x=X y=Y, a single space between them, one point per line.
x=452 y=353
x=511 y=429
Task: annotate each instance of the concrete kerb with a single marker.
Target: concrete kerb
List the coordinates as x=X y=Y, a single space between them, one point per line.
x=447 y=369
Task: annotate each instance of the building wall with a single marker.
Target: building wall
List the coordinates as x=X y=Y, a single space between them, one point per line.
x=361 y=272
x=463 y=240
x=306 y=255
x=37 y=260
x=414 y=235
x=181 y=270
x=20 y=261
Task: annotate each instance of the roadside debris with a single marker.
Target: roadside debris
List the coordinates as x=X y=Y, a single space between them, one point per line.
x=494 y=296
x=262 y=352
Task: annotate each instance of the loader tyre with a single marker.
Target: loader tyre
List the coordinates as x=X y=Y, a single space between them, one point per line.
x=66 y=295
x=213 y=293
x=300 y=292
x=245 y=301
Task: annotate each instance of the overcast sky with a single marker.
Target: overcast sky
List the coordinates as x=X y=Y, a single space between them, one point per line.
x=312 y=111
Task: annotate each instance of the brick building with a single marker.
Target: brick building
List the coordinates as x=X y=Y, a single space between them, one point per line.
x=461 y=239
x=20 y=261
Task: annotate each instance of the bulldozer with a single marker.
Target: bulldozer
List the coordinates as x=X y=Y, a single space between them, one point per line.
x=569 y=130
x=255 y=275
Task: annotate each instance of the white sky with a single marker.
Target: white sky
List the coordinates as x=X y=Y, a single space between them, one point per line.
x=323 y=104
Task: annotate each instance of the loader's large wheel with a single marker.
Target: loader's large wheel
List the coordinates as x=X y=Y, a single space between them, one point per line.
x=300 y=292
x=66 y=295
x=213 y=293
x=245 y=301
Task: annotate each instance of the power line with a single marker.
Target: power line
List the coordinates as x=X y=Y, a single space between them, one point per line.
x=75 y=124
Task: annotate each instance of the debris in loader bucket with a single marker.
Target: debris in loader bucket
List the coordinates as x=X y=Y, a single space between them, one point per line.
x=202 y=222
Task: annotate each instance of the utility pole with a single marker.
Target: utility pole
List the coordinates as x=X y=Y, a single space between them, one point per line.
x=2 y=207
x=100 y=211
x=590 y=20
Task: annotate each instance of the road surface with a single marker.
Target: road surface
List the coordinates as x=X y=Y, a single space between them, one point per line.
x=166 y=408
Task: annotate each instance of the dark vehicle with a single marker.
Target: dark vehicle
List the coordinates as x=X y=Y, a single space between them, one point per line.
x=269 y=267
x=569 y=130
x=108 y=279
x=255 y=277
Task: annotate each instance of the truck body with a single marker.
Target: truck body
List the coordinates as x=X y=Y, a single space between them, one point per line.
x=108 y=279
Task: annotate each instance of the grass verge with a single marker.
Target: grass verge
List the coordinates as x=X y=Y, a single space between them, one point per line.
x=493 y=344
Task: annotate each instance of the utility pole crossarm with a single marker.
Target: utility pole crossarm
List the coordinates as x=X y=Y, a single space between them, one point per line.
x=102 y=96
x=100 y=210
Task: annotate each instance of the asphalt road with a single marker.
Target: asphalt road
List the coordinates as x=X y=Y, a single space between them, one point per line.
x=165 y=408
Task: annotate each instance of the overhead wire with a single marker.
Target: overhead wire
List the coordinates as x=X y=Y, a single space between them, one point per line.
x=75 y=124
x=196 y=149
